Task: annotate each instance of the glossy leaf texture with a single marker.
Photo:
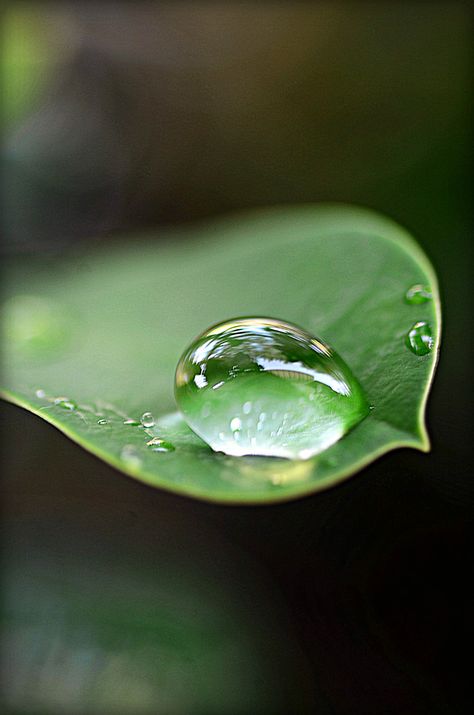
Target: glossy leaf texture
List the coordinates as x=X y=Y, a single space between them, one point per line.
x=92 y=341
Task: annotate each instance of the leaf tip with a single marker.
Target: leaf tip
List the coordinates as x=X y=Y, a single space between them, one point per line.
x=424 y=443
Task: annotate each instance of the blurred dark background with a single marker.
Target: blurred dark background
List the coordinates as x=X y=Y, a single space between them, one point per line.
x=124 y=117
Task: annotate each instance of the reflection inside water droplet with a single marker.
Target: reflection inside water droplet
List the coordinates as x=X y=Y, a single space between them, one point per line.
x=279 y=472
x=281 y=391
x=235 y=424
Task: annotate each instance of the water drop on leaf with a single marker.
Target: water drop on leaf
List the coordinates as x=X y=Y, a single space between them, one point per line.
x=65 y=403
x=147 y=419
x=419 y=338
x=418 y=294
x=281 y=391
x=160 y=445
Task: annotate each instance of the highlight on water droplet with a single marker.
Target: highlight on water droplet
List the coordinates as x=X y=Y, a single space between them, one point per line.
x=419 y=338
x=282 y=392
x=147 y=419
x=129 y=455
x=418 y=294
x=235 y=424
x=157 y=444
x=35 y=325
x=131 y=422
x=40 y=393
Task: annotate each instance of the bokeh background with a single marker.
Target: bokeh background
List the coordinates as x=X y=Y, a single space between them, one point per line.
x=120 y=118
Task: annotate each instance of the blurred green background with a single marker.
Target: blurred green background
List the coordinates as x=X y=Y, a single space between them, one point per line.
x=123 y=117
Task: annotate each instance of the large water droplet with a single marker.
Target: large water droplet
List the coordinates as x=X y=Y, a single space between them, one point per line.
x=418 y=294
x=131 y=422
x=265 y=387
x=147 y=419
x=419 y=338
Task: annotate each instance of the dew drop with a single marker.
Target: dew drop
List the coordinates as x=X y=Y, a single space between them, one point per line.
x=129 y=455
x=147 y=419
x=419 y=338
x=65 y=403
x=418 y=294
x=40 y=393
x=102 y=421
x=281 y=391
x=131 y=422
x=160 y=445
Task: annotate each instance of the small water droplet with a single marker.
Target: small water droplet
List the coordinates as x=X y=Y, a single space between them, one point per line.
x=298 y=395
x=40 y=393
x=131 y=422
x=147 y=419
x=419 y=338
x=157 y=444
x=130 y=456
x=65 y=403
x=102 y=421
x=418 y=294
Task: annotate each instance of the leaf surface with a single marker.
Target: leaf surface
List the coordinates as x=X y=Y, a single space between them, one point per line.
x=94 y=341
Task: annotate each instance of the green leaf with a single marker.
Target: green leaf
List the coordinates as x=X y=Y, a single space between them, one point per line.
x=100 y=341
